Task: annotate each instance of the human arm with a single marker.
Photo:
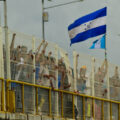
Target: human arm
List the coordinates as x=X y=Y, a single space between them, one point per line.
x=39 y=47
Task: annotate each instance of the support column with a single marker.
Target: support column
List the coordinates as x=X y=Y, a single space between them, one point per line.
x=33 y=80
x=93 y=76
x=56 y=97
x=75 y=75
x=2 y=85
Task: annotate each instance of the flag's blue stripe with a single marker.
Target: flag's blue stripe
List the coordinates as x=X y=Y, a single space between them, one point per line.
x=99 y=13
x=88 y=34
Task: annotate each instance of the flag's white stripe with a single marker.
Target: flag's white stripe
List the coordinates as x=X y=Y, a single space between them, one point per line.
x=87 y=26
x=98 y=44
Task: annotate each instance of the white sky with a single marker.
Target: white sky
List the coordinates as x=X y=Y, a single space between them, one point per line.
x=25 y=16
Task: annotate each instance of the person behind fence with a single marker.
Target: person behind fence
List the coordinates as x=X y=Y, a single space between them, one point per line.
x=102 y=71
x=81 y=86
x=100 y=86
x=38 y=60
x=62 y=76
x=114 y=80
x=43 y=75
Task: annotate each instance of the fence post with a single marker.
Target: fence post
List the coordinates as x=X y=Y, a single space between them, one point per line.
x=93 y=76
x=93 y=109
x=108 y=91
x=33 y=51
x=75 y=60
x=62 y=104
x=36 y=100
x=2 y=85
x=73 y=107
x=102 y=107
x=57 y=97
x=83 y=108
x=110 y=110
x=22 y=98
x=119 y=111
x=7 y=97
x=50 y=112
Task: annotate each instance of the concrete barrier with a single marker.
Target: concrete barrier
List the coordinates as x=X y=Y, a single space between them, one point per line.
x=46 y=118
x=33 y=117
x=2 y=116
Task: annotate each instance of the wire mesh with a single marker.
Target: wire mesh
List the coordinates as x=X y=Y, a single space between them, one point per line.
x=115 y=113
x=29 y=99
x=80 y=108
x=60 y=104
x=65 y=74
x=98 y=114
x=46 y=62
x=43 y=101
x=106 y=111
x=21 y=57
x=67 y=106
x=114 y=82
x=54 y=103
x=101 y=87
x=18 y=96
x=88 y=108
x=84 y=74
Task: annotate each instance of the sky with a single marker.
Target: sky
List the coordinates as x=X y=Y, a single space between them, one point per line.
x=26 y=16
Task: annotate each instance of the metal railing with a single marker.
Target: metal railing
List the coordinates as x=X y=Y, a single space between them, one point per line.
x=64 y=97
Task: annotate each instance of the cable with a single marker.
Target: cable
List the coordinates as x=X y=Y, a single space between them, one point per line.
x=62 y=4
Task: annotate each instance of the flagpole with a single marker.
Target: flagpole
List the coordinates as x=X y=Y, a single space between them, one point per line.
x=105 y=48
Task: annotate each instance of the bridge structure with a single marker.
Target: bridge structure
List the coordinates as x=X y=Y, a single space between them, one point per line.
x=41 y=84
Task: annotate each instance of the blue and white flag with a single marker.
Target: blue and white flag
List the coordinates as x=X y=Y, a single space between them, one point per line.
x=91 y=25
x=99 y=44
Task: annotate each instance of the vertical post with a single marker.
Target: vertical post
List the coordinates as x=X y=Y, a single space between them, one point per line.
x=62 y=104
x=50 y=112
x=108 y=88
x=83 y=108
x=93 y=76
x=105 y=48
x=93 y=109
x=6 y=41
x=119 y=111
x=110 y=110
x=23 y=98
x=102 y=107
x=7 y=97
x=2 y=85
x=36 y=101
x=75 y=74
x=108 y=83
x=3 y=95
x=57 y=97
x=33 y=80
x=73 y=107
x=43 y=24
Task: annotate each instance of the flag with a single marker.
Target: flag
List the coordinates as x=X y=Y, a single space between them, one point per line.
x=88 y=26
x=99 y=44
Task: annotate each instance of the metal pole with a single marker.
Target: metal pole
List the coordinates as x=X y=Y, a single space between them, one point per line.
x=6 y=41
x=43 y=24
x=105 y=48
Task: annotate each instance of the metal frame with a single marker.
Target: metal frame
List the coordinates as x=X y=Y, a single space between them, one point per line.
x=62 y=92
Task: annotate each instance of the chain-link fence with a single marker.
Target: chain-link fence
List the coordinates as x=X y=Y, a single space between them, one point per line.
x=36 y=61
x=100 y=77
x=84 y=74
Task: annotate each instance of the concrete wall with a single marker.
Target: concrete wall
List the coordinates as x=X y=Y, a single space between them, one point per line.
x=20 y=116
